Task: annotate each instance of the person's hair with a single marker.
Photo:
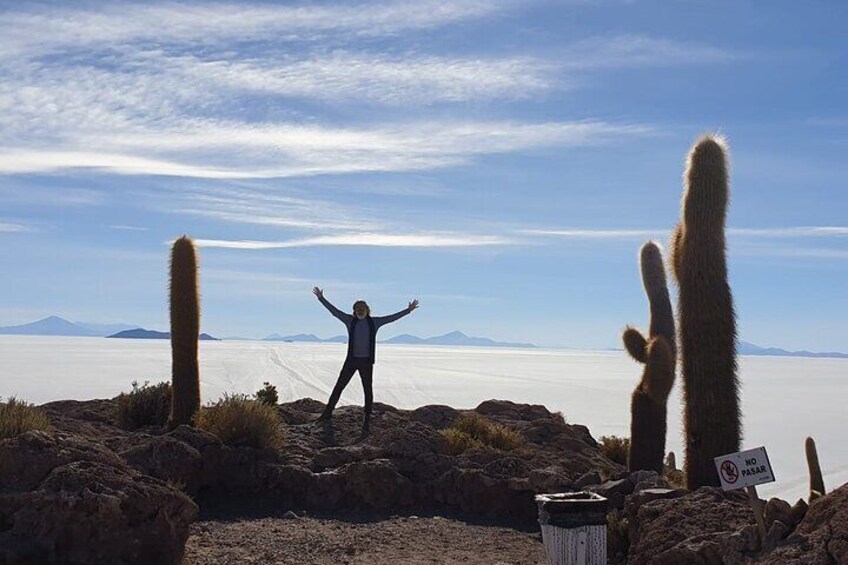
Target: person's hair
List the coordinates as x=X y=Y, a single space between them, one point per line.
x=367 y=308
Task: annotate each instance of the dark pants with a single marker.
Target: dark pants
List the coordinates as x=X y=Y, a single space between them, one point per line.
x=366 y=371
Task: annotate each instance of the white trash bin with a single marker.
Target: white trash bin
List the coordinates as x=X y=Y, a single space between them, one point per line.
x=574 y=527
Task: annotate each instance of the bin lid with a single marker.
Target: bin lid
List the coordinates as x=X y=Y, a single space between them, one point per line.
x=572 y=509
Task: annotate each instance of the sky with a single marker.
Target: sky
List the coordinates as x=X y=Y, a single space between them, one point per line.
x=501 y=161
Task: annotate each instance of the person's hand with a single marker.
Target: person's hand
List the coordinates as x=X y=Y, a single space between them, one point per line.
x=413 y=305
x=318 y=292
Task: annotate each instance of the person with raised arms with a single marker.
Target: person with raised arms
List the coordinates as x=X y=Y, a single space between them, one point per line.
x=361 y=347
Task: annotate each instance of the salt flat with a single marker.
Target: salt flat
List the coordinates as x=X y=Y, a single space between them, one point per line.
x=784 y=398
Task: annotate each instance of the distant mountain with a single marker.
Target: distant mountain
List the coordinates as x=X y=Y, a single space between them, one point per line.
x=297 y=337
x=745 y=348
x=141 y=333
x=454 y=338
x=52 y=325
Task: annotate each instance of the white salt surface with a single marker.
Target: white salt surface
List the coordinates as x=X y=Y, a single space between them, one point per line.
x=784 y=399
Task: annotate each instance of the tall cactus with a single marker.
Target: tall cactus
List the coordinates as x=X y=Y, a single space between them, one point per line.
x=706 y=317
x=185 y=330
x=648 y=408
x=816 y=480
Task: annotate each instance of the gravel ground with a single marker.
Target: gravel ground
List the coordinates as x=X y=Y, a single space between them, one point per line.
x=358 y=538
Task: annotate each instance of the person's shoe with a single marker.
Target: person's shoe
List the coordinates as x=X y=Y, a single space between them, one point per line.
x=366 y=429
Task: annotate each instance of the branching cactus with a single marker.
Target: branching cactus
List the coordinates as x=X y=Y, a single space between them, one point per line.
x=648 y=408
x=705 y=313
x=816 y=480
x=185 y=329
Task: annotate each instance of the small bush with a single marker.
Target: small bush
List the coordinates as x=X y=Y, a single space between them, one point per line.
x=458 y=441
x=618 y=536
x=615 y=448
x=476 y=431
x=239 y=420
x=17 y=417
x=268 y=394
x=559 y=417
x=145 y=405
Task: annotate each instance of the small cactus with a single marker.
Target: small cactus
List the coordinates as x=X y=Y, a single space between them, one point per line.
x=816 y=480
x=707 y=320
x=648 y=408
x=185 y=330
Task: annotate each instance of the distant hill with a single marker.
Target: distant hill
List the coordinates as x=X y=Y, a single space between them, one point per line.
x=52 y=325
x=454 y=338
x=297 y=337
x=141 y=333
x=745 y=348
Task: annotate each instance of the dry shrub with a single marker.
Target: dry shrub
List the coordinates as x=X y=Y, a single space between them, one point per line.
x=239 y=420
x=17 y=417
x=618 y=536
x=145 y=405
x=268 y=394
x=559 y=417
x=476 y=431
x=615 y=448
x=458 y=441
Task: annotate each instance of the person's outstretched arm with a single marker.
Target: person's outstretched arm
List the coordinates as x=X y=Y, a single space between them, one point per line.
x=344 y=318
x=383 y=320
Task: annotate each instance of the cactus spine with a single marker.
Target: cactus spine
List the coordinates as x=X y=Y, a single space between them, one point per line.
x=705 y=311
x=648 y=408
x=816 y=480
x=185 y=330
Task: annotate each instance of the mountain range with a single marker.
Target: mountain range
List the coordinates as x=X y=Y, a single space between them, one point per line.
x=452 y=338
x=56 y=326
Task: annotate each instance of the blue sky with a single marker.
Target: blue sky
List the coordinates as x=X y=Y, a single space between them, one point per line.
x=501 y=161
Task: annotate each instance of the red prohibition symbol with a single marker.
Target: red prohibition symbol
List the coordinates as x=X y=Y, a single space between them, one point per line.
x=729 y=472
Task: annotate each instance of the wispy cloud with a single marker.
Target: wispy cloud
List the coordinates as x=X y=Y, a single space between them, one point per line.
x=366 y=240
x=7 y=227
x=595 y=233
x=222 y=150
x=128 y=228
x=613 y=233
x=627 y=51
x=802 y=231
x=50 y=29
x=345 y=76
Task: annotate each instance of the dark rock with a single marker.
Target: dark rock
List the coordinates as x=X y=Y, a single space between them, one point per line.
x=821 y=538
x=504 y=409
x=377 y=484
x=168 y=459
x=413 y=440
x=26 y=460
x=436 y=416
x=551 y=479
x=66 y=499
x=776 y=532
x=697 y=527
x=507 y=468
x=334 y=457
x=777 y=509
x=586 y=479
x=797 y=513
x=613 y=491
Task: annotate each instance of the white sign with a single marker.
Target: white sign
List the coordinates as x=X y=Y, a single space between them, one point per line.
x=744 y=469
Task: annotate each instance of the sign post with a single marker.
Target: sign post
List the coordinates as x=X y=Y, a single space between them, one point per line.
x=747 y=469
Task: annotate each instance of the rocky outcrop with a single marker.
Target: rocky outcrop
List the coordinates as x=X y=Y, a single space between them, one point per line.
x=707 y=526
x=404 y=463
x=64 y=498
x=820 y=539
